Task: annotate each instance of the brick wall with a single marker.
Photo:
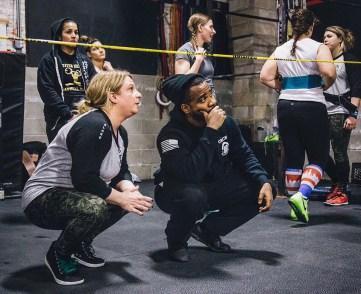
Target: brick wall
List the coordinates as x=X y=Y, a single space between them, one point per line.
x=253 y=103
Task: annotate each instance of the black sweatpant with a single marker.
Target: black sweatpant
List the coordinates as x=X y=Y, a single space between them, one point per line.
x=303 y=128
x=234 y=197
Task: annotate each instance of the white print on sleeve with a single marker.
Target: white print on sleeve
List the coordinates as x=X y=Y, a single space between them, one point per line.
x=168 y=145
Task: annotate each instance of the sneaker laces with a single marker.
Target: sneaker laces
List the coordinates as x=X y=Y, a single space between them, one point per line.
x=341 y=194
x=88 y=249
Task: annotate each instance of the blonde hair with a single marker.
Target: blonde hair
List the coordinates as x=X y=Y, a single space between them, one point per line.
x=346 y=36
x=100 y=85
x=194 y=21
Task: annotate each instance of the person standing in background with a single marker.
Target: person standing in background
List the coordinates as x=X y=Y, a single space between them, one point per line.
x=202 y=30
x=343 y=100
x=63 y=76
x=96 y=54
x=301 y=111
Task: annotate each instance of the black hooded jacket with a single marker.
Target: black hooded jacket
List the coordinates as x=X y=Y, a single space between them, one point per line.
x=192 y=155
x=50 y=80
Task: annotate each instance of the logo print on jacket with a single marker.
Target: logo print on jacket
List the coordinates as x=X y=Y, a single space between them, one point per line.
x=225 y=148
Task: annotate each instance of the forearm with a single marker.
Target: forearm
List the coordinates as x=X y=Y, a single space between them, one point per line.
x=125 y=185
x=272 y=83
x=269 y=75
x=195 y=67
x=114 y=197
x=355 y=101
x=327 y=81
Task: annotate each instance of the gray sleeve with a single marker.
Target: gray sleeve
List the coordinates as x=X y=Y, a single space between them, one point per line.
x=187 y=47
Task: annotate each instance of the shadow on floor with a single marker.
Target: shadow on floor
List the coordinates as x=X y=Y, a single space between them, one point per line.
x=33 y=279
x=322 y=219
x=349 y=237
x=12 y=219
x=205 y=264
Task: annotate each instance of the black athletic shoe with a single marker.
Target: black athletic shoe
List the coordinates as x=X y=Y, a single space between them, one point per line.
x=85 y=255
x=179 y=253
x=213 y=242
x=64 y=270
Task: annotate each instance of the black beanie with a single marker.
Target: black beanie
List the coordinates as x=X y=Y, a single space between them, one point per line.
x=175 y=87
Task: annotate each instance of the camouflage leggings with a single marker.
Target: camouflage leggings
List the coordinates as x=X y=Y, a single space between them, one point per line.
x=80 y=216
x=338 y=168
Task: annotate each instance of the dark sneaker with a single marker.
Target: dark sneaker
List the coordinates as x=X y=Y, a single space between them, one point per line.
x=179 y=255
x=64 y=270
x=86 y=256
x=213 y=242
x=178 y=252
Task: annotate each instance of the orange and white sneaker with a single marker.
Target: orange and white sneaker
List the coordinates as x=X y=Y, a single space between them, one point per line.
x=340 y=199
x=334 y=192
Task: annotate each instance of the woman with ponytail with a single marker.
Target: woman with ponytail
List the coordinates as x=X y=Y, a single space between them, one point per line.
x=301 y=110
x=82 y=184
x=202 y=31
x=96 y=54
x=343 y=100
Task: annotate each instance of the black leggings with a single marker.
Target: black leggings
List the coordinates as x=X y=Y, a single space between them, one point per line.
x=80 y=216
x=303 y=128
x=339 y=168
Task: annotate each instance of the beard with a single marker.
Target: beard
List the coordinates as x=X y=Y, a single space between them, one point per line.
x=199 y=118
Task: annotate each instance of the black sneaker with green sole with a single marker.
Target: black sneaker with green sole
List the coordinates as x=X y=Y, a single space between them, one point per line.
x=64 y=269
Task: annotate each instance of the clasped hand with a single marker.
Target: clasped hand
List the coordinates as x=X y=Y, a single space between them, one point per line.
x=131 y=200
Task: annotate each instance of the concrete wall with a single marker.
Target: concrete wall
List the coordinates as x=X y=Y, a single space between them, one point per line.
x=142 y=129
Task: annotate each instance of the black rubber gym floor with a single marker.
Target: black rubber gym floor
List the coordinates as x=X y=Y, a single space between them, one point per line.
x=272 y=255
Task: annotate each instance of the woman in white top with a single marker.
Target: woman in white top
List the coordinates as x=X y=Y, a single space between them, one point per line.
x=301 y=110
x=343 y=99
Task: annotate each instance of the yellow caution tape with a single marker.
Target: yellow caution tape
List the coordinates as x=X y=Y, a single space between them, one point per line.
x=161 y=51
